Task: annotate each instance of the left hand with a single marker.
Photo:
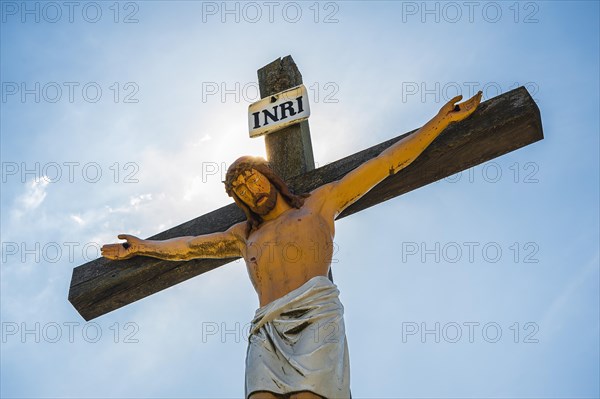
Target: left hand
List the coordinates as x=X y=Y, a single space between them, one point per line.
x=124 y=250
x=452 y=112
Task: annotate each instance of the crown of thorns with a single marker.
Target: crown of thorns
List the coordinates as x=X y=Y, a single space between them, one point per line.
x=241 y=165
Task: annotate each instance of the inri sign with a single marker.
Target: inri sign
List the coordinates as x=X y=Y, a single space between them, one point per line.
x=278 y=111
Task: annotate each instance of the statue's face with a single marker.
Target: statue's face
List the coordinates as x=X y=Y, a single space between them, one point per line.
x=256 y=191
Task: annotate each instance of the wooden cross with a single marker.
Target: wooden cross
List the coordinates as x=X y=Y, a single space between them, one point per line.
x=499 y=125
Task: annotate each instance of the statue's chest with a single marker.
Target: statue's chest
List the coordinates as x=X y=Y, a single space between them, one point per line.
x=293 y=233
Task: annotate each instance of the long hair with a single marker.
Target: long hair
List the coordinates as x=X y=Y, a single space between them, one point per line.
x=259 y=164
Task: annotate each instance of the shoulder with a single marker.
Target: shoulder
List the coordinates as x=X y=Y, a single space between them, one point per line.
x=238 y=231
x=321 y=193
x=321 y=198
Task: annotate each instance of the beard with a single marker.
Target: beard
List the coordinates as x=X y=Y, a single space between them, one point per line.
x=268 y=205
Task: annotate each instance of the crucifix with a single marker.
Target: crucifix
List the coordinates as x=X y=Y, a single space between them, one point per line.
x=298 y=208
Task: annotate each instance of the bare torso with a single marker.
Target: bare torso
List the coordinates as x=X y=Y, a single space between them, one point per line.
x=286 y=252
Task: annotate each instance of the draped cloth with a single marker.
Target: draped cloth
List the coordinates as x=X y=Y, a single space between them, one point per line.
x=298 y=343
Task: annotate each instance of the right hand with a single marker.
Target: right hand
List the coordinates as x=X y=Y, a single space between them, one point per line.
x=124 y=250
x=457 y=112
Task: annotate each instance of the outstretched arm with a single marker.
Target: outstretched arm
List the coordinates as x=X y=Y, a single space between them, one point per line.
x=358 y=182
x=225 y=244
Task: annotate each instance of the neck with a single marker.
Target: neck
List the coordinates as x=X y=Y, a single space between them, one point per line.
x=281 y=206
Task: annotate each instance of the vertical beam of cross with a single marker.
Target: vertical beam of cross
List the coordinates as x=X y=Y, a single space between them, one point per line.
x=289 y=150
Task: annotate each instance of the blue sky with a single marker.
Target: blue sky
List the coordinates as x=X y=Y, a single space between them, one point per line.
x=505 y=253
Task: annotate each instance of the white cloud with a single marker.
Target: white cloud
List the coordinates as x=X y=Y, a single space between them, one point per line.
x=137 y=200
x=203 y=139
x=34 y=195
x=36 y=192
x=193 y=188
x=77 y=219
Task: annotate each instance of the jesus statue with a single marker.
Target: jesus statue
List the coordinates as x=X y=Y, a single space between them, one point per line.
x=297 y=345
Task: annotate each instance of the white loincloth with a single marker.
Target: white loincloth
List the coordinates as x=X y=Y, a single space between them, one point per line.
x=298 y=343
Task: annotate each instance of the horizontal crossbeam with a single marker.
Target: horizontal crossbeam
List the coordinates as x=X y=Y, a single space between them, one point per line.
x=500 y=125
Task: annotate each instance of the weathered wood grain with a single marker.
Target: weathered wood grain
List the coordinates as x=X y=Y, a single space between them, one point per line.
x=289 y=150
x=500 y=125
